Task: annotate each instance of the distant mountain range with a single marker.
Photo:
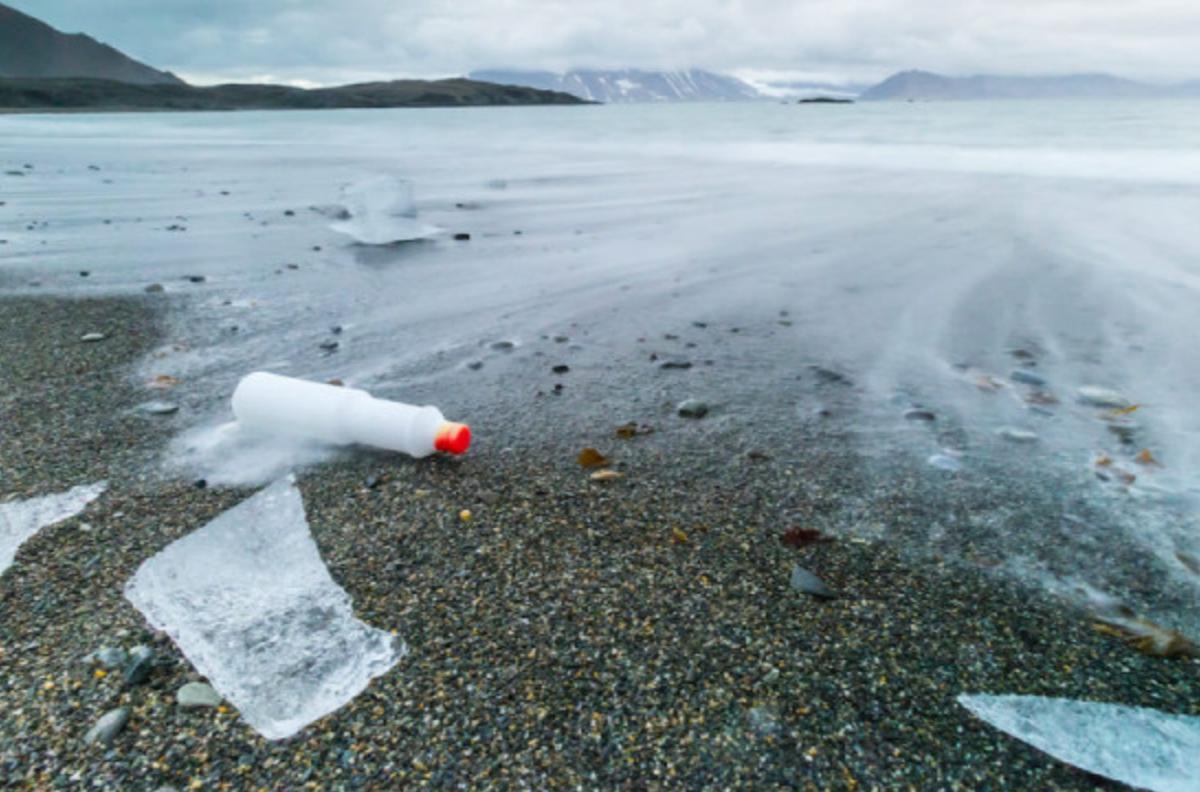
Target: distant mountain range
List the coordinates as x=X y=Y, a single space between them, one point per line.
x=29 y=48
x=630 y=85
x=927 y=86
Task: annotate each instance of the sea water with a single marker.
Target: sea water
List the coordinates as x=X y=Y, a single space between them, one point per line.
x=926 y=251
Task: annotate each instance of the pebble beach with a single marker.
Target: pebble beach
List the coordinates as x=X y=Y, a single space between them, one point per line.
x=640 y=632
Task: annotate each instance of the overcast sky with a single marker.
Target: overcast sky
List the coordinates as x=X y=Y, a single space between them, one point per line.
x=332 y=41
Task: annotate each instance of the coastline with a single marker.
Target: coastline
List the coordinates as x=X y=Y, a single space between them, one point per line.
x=564 y=636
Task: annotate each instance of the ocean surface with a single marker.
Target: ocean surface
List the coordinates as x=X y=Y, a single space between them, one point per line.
x=979 y=261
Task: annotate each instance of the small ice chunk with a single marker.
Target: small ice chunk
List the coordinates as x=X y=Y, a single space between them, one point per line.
x=1015 y=435
x=945 y=462
x=252 y=606
x=1143 y=748
x=20 y=520
x=381 y=211
x=1102 y=397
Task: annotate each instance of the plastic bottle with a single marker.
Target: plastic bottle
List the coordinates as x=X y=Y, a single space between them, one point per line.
x=287 y=406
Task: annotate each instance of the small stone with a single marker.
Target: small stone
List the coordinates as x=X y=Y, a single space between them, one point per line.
x=92 y=337
x=141 y=660
x=918 y=414
x=693 y=408
x=1098 y=396
x=158 y=408
x=155 y=288
x=1015 y=435
x=503 y=346
x=292 y=266
x=196 y=278
x=676 y=364
x=808 y=583
x=1026 y=376
x=289 y=213
x=330 y=346
x=84 y=273
x=372 y=482
x=108 y=727
x=109 y=657
x=200 y=483
x=475 y=365
x=561 y=368
x=336 y=329
x=197 y=694
x=561 y=339
x=462 y=237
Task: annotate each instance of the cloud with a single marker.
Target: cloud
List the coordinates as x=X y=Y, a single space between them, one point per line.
x=327 y=41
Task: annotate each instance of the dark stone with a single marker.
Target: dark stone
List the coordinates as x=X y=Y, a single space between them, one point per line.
x=918 y=414
x=561 y=368
x=676 y=364
x=141 y=661
x=462 y=237
x=155 y=288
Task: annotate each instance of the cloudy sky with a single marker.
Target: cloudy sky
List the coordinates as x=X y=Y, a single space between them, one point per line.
x=332 y=41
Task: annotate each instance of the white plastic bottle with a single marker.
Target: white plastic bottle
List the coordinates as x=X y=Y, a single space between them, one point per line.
x=287 y=406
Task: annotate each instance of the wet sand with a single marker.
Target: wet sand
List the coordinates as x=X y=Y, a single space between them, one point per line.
x=639 y=633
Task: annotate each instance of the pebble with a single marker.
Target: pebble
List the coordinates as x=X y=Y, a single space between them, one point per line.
x=918 y=414
x=1098 y=396
x=196 y=278
x=84 y=273
x=92 y=337
x=198 y=694
x=329 y=346
x=1015 y=435
x=158 y=408
x=503 y=346
x=562 y=368
x=109 y=725
x=1026 y=376
x=140 y=661
x=693 y=408
x=155 y=288
x=944 y=462
x=808 y=583
x=109 y=657
x=475 y=365
x=676 y=364
x=462 y=237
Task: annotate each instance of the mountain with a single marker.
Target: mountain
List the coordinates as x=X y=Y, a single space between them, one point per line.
x=923 y=85
x=29 y=48
x=630 y=85
x=89 y=94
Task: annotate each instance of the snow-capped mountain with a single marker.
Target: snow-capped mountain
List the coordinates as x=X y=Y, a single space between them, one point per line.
x=630 y=85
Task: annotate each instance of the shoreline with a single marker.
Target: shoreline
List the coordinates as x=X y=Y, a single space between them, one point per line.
x=564 y=636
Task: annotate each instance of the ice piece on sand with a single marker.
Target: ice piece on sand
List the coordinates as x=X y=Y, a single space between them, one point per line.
x=381 y=212
x=1141 y=747
x=252 y=606
x=20 y=520
x=1097 y=396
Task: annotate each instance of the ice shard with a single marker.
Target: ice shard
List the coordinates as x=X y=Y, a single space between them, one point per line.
x=381 y=211
x=1141 y=747
x=20 y=520
x=249 y=601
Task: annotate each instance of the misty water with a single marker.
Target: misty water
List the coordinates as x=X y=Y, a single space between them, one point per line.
x=918 y=254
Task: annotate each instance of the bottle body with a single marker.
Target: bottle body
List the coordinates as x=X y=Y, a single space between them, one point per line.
x=274 y=404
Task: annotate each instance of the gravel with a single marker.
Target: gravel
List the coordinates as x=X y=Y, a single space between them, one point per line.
x=639 y=634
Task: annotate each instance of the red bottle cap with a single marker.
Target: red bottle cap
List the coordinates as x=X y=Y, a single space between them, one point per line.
x=453 y=438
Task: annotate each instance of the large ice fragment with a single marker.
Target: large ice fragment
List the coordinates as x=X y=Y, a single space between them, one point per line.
x=1144 y=748
x=20 y=520
x=252 y=606
x=381 y=212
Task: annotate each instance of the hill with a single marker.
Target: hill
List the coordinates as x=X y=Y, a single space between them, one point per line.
x=89 y=94
x=30 y=48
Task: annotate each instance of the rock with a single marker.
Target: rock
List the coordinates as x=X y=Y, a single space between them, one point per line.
x=158 y=408
x=108 y=727
x=503 y=346
x=196 y=278
x=155 y=288
x=808 y=583
x=919 y=414
x=829 y=375
x=198 y=694
x=462 y=237
x=1098 y=396
x=1026 y=376
x=676 y=364
x=561 y=339
x=1015 y=435
x=693 y=408
x=945 y=462
x=84 y=273
x=141 y=660
x=109 y=657
x=92 y=337
x=330 y=346
x=336 y=329
x=475 y=365
x=561 y=368
x=371 y=482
